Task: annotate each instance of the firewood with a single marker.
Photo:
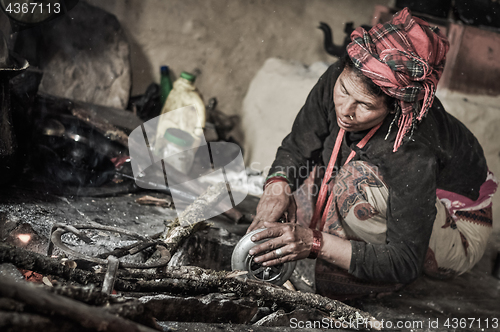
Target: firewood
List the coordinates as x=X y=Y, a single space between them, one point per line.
x=150 y=200
x=196 y=281
x=101 y=125
x=186 y=280
x=29 y=260
x=20 y=322
x=110 y=277
x=193 y=218
x=41 y=300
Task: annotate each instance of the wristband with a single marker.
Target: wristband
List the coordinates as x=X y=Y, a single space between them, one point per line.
x=316 y=245
x=277 y=175
x=274 y=179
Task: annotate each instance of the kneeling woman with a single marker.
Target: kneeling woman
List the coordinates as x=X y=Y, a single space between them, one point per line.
x=406 y=189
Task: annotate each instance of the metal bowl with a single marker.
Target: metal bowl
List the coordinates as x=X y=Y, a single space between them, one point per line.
x=241 y=260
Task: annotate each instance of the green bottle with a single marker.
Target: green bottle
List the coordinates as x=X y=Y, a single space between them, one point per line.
x=165 y=84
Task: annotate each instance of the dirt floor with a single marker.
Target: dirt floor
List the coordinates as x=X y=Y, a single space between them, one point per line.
x=425 y=305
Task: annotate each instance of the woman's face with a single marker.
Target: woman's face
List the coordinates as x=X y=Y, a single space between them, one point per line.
x=357 y=109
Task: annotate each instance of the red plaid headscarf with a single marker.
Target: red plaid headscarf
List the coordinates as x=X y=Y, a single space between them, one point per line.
x=405 y=57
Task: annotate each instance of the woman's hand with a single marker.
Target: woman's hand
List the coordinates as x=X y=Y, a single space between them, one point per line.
x=291 y=242
x=276 y=200
x=287 y=242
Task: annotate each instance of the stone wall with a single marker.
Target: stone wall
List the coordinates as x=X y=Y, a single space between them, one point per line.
x=228 y=40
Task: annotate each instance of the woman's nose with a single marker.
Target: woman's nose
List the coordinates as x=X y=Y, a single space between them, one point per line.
x=348 y=108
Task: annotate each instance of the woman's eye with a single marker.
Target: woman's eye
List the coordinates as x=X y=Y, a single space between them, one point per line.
x=364 y=108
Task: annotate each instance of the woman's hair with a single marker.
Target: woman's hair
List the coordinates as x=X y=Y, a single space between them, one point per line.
x=346 y=63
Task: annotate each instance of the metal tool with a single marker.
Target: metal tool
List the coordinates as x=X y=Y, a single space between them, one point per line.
x=242 y=260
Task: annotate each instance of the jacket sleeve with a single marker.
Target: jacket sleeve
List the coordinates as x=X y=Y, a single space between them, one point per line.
x=310 y=128
x=410 y=174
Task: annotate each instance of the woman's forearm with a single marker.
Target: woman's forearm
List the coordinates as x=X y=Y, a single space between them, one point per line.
x=336 y=251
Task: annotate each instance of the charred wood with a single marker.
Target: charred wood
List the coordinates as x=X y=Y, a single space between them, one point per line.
x=29 y=322
x=193 y=218
x=29 y=260
x=100 y=124
x=210 y=308
x=87 y=294
x=110 y=277
x=43 y=301
x=115 y=116
x=196 y=281
x=150 y=200
x=11 y=305
x=182 y=280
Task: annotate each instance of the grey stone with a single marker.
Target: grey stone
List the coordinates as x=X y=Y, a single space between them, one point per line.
x=86 y=57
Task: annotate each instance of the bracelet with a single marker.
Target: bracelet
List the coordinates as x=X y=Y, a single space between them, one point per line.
x=316 y=246
x=276 y=175
x=274 y=179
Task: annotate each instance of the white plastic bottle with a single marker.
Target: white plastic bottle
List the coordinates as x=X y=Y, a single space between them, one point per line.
x=191 y=120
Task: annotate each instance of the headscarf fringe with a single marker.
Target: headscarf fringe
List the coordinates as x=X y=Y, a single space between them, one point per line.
x=396 y=117
x=405 y=121
x=430 y=92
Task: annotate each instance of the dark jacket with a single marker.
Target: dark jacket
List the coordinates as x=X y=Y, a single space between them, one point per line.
x=442 y=153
